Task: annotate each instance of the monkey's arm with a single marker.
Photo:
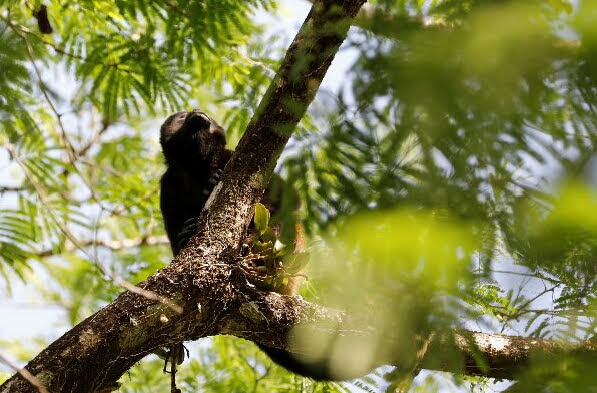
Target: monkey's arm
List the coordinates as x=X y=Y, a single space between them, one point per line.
x=181 y=206
x=175 y=209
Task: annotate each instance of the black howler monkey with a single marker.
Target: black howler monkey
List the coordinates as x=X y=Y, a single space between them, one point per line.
x=194 y=149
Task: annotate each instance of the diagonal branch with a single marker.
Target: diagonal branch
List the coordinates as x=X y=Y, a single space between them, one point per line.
x=203 y=280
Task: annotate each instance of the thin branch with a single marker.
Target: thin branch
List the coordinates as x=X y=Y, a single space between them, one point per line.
x=64 y=52
x=63 y=136
x=4 y=189
x=72 y=153
x=114 y=245
x=66 y=231
x=97 y=133
x=25 y=374
x=270 y=73
x=175 y=8
x=532 y=275
x=147 y=294
x=42 y=195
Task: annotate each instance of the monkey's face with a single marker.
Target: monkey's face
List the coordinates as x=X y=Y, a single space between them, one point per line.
x=189 y=138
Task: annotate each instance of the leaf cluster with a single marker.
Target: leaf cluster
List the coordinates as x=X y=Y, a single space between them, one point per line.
x=271 y=262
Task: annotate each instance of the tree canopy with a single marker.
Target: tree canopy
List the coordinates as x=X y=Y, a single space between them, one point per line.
x=447 y=186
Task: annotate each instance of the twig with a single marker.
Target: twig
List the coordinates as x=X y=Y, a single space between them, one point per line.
x=64 y=52
x=113 y=245
x=25 y=374
x=71 y=151
x=145 y=293
x=4 y=189
x=64 y=229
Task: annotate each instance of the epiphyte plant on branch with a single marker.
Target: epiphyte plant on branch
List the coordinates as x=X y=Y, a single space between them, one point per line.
x=273 y=265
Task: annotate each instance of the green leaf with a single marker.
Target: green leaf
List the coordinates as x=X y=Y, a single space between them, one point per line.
x=269 y=236
x=261 y=218
x=262 y=247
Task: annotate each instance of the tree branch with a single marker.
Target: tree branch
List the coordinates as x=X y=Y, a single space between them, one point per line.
x=203 y=279
x=114 y=245
x=4 y=189
x=269 y=316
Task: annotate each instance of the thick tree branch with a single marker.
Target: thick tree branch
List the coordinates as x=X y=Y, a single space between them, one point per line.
x=203 y=279
x=266 y=317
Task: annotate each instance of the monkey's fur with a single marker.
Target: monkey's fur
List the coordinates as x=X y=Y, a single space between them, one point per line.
x=194 y=148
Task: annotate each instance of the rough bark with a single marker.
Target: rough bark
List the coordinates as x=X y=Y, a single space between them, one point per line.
x=491 y=355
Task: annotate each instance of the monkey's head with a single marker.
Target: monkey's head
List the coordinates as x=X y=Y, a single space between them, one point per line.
x=191 y=138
